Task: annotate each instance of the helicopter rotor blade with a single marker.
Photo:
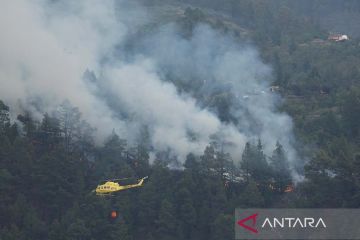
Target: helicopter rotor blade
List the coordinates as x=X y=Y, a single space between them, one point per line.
x=117 y=179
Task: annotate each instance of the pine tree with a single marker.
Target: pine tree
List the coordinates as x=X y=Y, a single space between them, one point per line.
x=251 y=196
x=186 y=211
x=223 y=227
x=166 y=222
x=281 y=169
x=4 y=118
x=254 y=163
x=77 y=230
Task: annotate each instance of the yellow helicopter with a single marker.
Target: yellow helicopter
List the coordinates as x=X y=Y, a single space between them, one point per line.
x=112 y=186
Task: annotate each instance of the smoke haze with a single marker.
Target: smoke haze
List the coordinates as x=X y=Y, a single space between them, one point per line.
x=46 y=48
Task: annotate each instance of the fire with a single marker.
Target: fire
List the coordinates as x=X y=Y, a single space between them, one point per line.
x=289 y=188
x=113 y=214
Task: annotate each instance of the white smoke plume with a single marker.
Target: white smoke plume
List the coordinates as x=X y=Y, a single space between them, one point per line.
x=45 y=49
x=47 y=46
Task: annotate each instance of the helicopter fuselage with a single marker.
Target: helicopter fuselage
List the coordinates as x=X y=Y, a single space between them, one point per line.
x=110 y=187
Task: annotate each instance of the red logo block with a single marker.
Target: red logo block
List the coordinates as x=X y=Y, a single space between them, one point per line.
x=247 y=227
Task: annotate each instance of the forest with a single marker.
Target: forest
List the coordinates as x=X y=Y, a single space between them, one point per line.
x=50 y=167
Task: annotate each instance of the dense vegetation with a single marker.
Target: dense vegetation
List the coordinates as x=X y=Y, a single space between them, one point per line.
x=49 y=168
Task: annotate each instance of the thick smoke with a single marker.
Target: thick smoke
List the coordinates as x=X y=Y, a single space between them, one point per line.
x=210 y=62
x=46 y=48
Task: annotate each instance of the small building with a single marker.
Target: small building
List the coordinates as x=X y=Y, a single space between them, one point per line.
x=274 y=88
x=338 y=37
